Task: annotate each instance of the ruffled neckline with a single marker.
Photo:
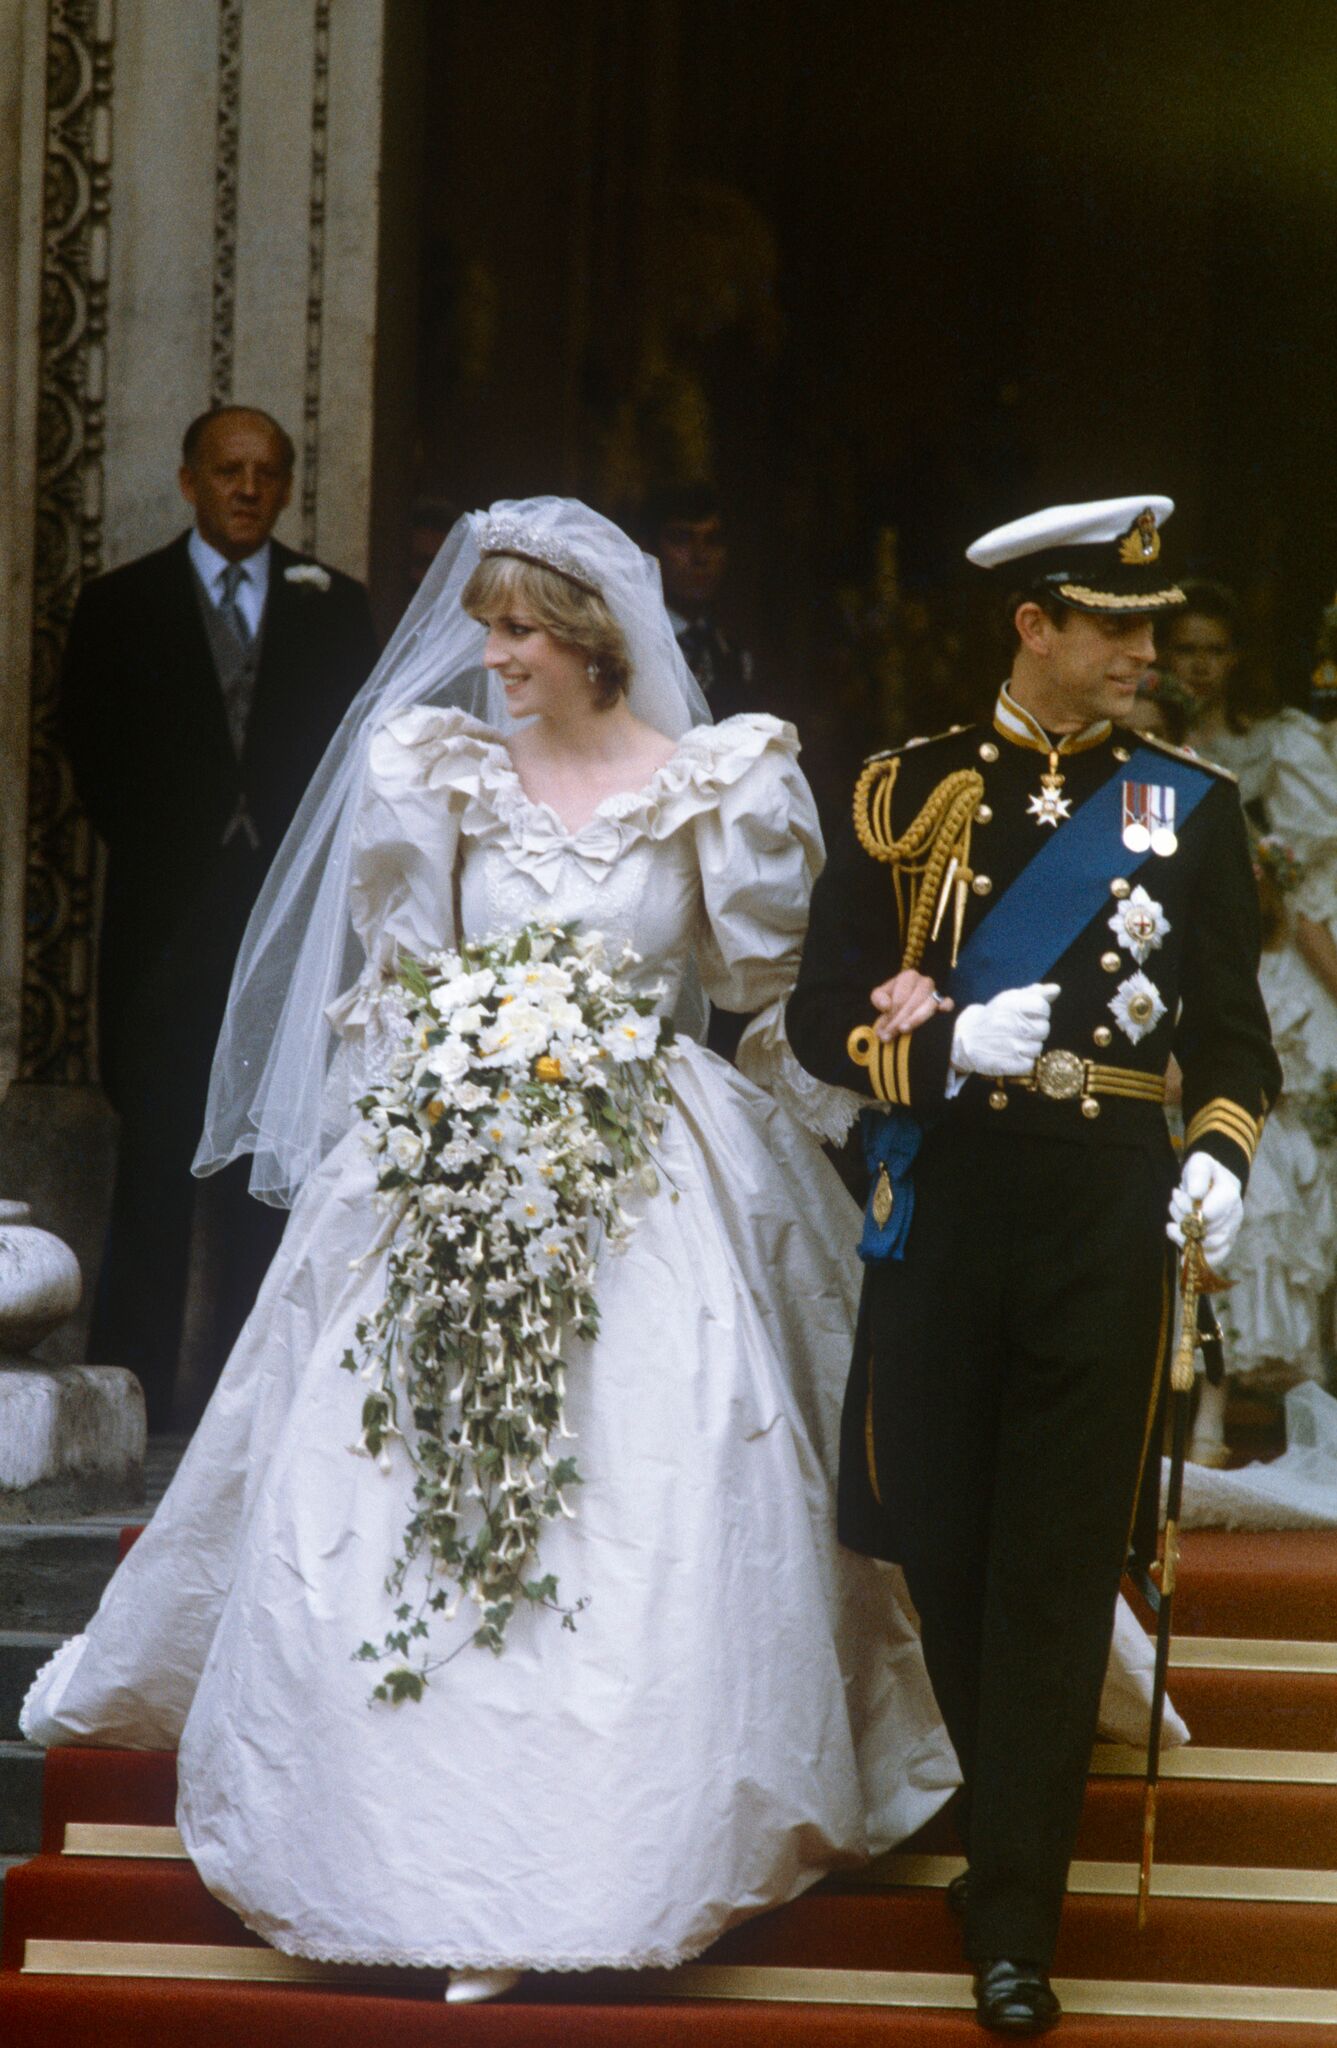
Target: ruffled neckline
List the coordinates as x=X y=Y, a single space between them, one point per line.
x=451 y=750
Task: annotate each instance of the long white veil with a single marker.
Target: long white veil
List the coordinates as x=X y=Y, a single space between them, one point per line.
x=267 y=1086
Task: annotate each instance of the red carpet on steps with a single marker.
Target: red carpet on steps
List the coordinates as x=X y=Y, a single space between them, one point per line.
x=61 y=2013
x=1281 y=1586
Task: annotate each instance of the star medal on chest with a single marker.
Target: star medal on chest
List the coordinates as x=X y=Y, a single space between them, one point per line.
x=1048 y=806
x=1149 y=818
x=1139 y=924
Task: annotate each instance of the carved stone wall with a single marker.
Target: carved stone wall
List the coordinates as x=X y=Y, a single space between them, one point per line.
x=55 y=1041
x=189 y=194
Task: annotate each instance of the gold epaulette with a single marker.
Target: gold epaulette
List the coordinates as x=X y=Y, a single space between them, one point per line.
x=928 y=859
x=1150 y=739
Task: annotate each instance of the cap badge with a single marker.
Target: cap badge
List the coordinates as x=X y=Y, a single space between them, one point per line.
x=1142 y=542
x=1149 y=818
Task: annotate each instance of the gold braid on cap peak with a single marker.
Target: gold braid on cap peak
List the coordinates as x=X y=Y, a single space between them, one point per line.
x=938 y=839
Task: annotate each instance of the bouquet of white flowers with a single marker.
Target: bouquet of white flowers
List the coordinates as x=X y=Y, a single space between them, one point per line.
x=526 y=1098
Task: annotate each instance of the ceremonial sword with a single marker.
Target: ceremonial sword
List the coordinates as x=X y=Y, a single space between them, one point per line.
x=1196 y=1327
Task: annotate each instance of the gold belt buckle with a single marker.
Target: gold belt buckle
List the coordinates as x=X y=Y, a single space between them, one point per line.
x=1060 y=1075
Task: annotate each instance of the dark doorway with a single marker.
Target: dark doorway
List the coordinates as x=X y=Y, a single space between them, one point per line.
x=891 y=274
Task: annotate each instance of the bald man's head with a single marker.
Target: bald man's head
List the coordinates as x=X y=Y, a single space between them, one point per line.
x=236 y=474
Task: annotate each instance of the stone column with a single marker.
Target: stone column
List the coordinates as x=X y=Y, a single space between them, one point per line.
x=191 y=209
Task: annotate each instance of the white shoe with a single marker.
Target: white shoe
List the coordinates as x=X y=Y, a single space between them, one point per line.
x=470 y=1987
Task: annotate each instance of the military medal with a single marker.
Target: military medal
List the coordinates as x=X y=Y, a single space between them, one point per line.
x=1149 y=818
x=1138 y=1006
x=883 y=1198
x=1047 y=807
x=1139 y=924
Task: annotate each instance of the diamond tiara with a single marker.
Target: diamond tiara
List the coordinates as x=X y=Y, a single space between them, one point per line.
x=512 y=537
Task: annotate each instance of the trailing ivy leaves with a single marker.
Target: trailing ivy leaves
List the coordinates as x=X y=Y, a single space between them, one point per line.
x=527 y=1095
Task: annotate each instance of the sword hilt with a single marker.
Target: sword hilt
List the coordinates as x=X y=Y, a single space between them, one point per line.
x=1190 y=1280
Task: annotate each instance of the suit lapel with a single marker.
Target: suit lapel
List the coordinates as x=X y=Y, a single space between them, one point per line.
x=276 y=630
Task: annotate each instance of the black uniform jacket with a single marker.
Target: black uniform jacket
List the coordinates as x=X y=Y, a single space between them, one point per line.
x=143 y=722
x=1204 y=970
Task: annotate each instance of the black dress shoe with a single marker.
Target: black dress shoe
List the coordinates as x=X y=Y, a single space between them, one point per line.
x=958 y=1894
x=1014 y=1998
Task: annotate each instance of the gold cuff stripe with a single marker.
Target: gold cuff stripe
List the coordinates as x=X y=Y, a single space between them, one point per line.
x=1221 y=1110
x=1226 y=1117
x=1110 y=601
x=888 y=1066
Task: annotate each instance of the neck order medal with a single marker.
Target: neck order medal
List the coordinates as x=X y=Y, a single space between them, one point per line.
x=1047 y=806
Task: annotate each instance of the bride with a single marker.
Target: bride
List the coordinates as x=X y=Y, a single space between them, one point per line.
x=742 y=1707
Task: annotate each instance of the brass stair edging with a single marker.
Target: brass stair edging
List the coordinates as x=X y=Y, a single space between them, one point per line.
x=46 y=1957
x=1114 y=1997
x=1260 y=1884
x=1125 y=1998
x=1246 y=1766
x=120 y=1838
x=1251 y=1653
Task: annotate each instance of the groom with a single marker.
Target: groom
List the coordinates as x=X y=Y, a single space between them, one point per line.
x=1084 y=901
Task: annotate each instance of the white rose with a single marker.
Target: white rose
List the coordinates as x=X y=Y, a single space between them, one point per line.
x=404 y=1148
x=448 y=1061
x=461 y=989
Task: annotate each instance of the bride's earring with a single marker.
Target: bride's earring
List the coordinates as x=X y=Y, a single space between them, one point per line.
x=592 y=671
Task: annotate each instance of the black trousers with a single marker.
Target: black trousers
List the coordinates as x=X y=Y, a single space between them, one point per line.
x=156 y=1064
x=1015 y=1352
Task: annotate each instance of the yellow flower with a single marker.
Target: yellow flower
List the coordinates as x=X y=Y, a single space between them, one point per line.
x=436 y=1109
x=546 y=1068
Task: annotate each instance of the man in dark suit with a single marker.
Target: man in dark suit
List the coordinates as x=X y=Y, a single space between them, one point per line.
x=201 y=685
x=685 y=528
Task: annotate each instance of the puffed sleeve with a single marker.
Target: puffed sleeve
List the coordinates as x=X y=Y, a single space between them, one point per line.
x=421 y=774
x=760 y=851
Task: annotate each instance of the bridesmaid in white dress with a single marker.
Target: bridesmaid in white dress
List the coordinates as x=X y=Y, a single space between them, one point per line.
x=1276 y=1314
x=743 y=1707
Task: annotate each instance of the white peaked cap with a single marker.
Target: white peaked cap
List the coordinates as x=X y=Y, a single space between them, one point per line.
x=1058 y=526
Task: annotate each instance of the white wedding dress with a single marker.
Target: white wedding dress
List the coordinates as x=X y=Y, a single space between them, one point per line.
x=743 y=1706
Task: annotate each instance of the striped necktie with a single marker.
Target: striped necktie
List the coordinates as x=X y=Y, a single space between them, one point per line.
x=239 y=680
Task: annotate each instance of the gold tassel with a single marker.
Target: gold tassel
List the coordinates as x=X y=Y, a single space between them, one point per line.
x=929 y=860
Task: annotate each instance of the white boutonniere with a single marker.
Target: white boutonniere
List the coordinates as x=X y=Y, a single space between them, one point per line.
x=308 y=576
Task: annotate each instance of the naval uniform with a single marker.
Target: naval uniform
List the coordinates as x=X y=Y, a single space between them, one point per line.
x=1004 y=1386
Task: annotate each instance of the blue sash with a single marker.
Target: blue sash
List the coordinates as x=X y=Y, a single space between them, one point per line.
x=1057 y=894
x=1031 y=926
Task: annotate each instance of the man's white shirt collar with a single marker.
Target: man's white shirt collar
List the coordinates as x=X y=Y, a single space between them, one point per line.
x=254 y=589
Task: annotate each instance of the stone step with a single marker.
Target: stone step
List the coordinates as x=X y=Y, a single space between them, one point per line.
x=20 y=1798
x=52 y=1574
x=22 y=1654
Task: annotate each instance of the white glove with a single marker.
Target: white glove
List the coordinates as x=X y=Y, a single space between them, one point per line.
x=1005 y=1035
x=1205 y=1180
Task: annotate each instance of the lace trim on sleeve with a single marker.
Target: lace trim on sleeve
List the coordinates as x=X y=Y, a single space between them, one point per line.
x=766 y=1058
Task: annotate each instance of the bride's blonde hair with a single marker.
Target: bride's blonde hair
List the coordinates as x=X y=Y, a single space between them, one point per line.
x=577 y=617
